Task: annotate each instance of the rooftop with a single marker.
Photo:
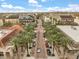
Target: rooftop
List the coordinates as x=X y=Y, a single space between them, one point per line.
x=71 y=31
x=7 y=33
x=3 y=32
x=66 y=16
x=26 y=17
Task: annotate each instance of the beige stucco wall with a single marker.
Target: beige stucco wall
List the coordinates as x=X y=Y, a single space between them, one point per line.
x=1 y=23
x=76 y=20
x=11 y=20
x=47 y=19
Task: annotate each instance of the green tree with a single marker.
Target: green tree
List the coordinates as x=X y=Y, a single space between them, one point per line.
x=53 y=41
x=7 y=24
x=15 y=42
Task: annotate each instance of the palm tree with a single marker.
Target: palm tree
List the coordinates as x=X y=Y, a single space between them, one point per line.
x=24 y=38
x=39 y=16
x=52 y=37
x=15 y=42
x=21 y=41
x=64 y=43
x=28 y=35
x=56 y=37
x=27 y=39
x=53 y=41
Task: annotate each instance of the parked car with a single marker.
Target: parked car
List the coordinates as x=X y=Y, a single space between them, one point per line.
x=49 y=52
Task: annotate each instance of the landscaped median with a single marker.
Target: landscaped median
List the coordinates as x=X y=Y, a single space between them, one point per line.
x=57 y=39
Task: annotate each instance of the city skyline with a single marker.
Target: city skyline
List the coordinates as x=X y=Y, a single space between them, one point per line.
x=39 y=5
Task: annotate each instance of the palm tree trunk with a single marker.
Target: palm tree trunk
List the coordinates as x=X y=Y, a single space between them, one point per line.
x=64 y=53
x=22 y=50
x=58 y=49
x=27 y=49
x=53 y=49
x=53 y=54
x=3 y=20
x=18 y=57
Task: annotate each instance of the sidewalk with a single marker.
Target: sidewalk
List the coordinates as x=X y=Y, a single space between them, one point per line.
x=1 y=57
x=52 y=57
x=25 y=55
x=28 y=58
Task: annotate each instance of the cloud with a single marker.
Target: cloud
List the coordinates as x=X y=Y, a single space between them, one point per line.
x=36 y=5
x=2 y=0
x=4 y=7
x=10 y=6
x=43 y=0
x=38 y=10
x=33 y=1
x=69 y=8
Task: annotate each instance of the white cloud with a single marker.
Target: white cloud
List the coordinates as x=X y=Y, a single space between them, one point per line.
x=36 y=5
x=73 y=5
x=2 y=0
x=4 y=7
x=10 y=6
x=43 y=0
x=33 y=1
x=38 y=10
x=70 y=8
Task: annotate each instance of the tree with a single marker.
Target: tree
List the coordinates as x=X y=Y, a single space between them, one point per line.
x=64 y=43
x=24 y=38
x=56 y=38
x=53 y=41
x=52 y=38
x=28 y=35
x=39 y=15
x=15 y=42
x=8 y=24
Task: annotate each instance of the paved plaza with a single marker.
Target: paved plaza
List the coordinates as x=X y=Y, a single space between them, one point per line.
x=40 y=49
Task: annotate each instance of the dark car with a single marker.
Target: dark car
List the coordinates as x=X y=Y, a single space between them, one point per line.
x=49 y=52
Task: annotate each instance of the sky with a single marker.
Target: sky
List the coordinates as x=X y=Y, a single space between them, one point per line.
x=39 y=5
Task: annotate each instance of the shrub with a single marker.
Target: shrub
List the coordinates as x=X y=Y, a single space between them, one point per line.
x=7 y=24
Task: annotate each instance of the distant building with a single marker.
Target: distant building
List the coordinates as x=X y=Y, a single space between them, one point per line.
x=26 y=19
x=6 y=48
x=9 y=18
x=66 y=19
x=76 y=18
x=47 y=19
